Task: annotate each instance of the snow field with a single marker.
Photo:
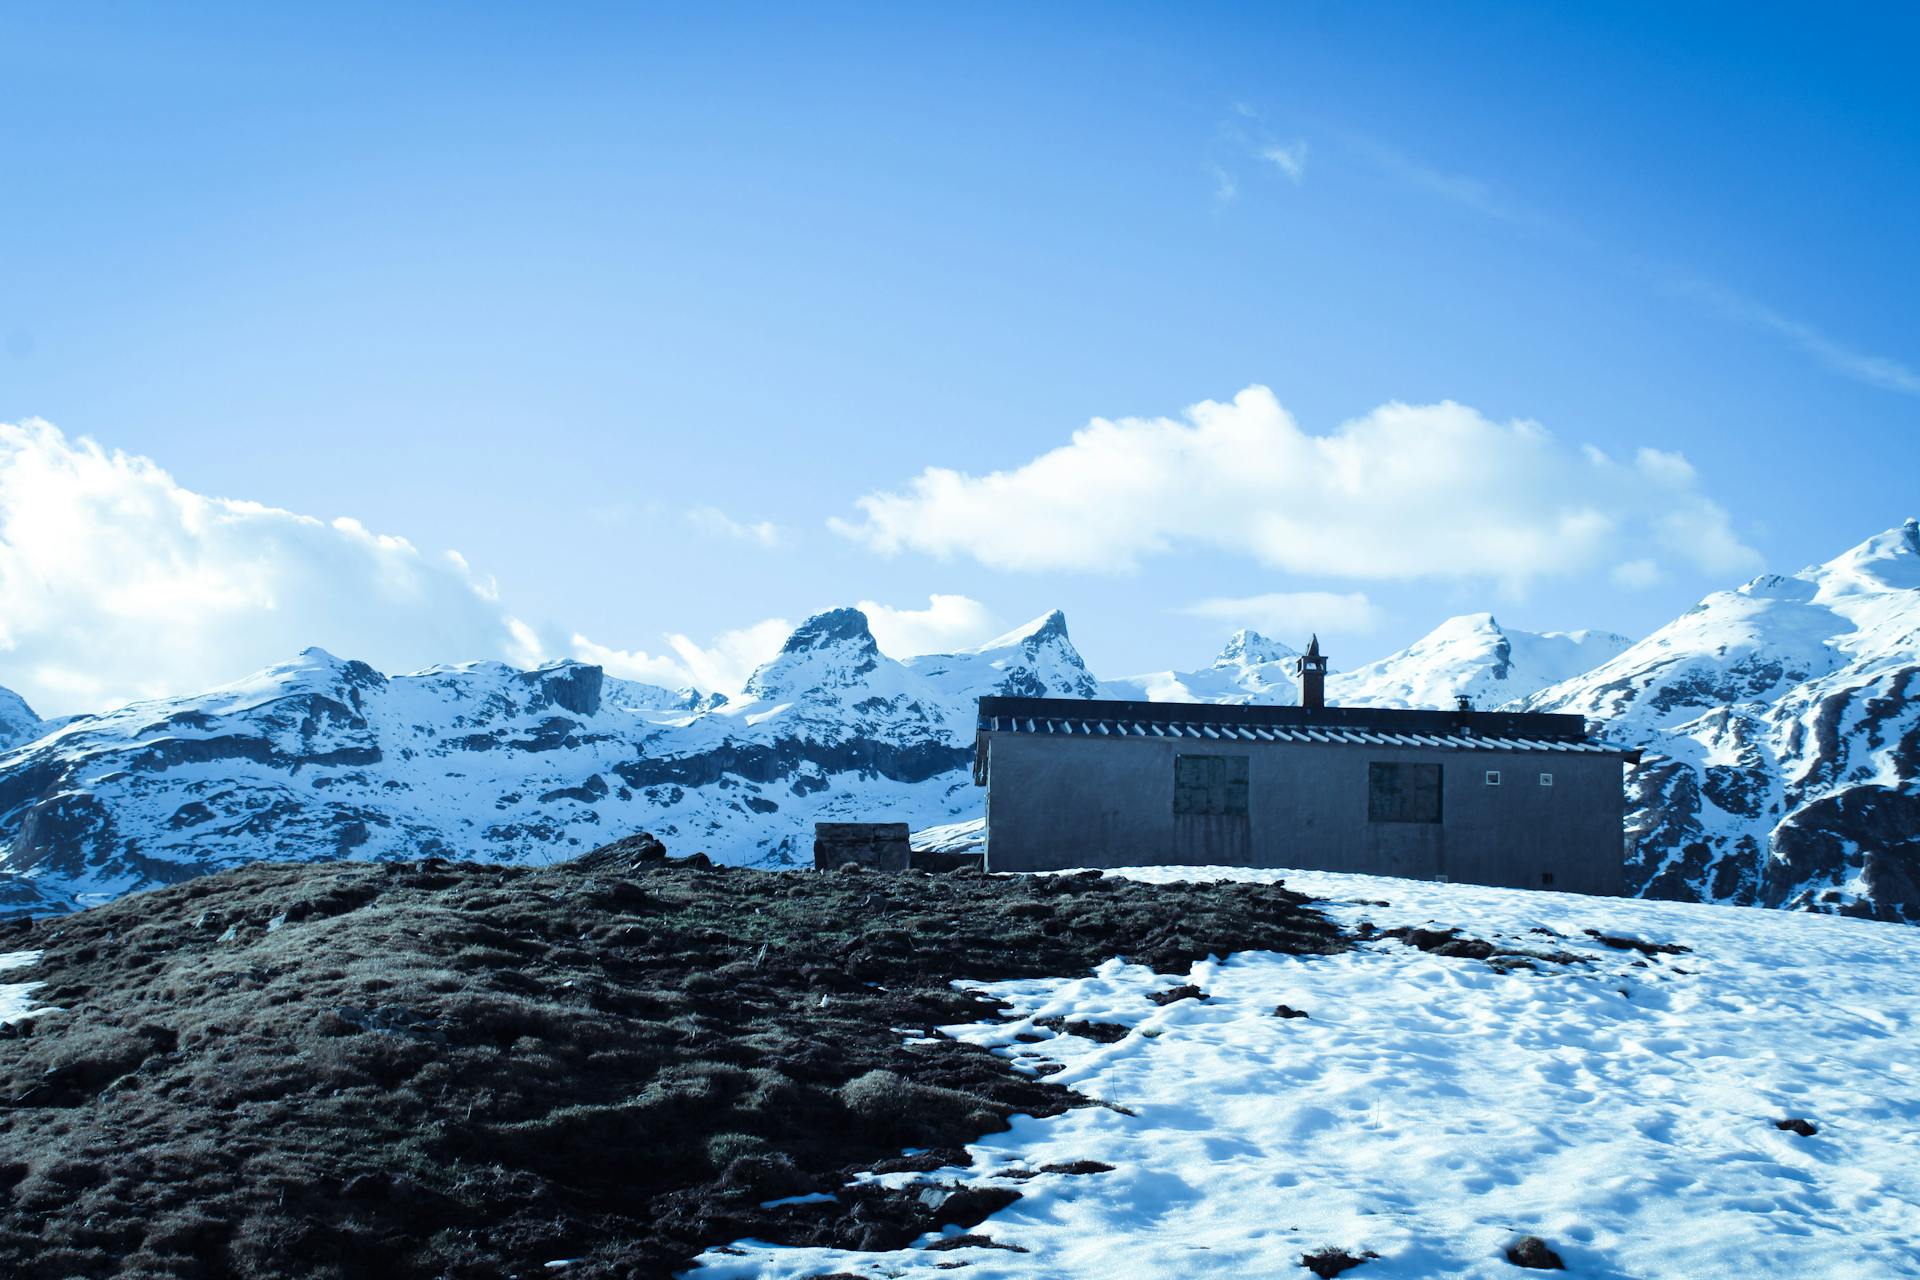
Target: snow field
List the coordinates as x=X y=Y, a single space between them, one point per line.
x=1434 y=1110
x=16 y=997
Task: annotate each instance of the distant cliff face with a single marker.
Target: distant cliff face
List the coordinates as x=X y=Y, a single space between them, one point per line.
x=1471 y=655
x=1780 y=721
x=18 y=724
x=327 y=758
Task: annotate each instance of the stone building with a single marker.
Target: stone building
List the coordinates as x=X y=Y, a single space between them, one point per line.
x=1488 y=797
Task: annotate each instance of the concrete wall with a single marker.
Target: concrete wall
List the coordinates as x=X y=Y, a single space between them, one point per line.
x=877 y=846
x=1055 y=802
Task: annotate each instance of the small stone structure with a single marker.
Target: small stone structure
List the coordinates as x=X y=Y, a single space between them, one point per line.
x=877 y=846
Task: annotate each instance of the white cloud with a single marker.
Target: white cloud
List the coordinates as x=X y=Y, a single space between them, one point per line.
x=720 y=524
x=1290 y=158
x=1460 y=189
x=1637 y=574
x=116 y=583
x=1292 y=613
x=946 y=624
x=763 y=533
x=662 y=669
x=1226 y=187
x=722 y=665
x=1407 y=491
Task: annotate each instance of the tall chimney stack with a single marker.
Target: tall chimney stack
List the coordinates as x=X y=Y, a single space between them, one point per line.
x=1313 y=676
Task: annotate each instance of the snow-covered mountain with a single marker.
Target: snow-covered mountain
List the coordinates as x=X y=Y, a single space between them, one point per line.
x=1475 y=656
x=1036 y=660
x=1251 y=668
x=323 y=757
x=1780 y=721
x=1471 y=654
x=18 y=723
x=1784 y=722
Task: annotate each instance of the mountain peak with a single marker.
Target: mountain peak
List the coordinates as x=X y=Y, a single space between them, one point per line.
x=314 y=656
x=1463 y=626
x=1247 y=647
x=1051 y=625
x=835 y=626
x=18 y=722
x=831 y=650
x=1888 y=561
x=312 y=665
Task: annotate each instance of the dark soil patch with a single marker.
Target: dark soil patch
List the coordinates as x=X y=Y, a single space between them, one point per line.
x=1619 y=943
x=1794 y=1124
x=446 y=1069
x=1288 y=1011
x=1451 y=942
x=1443 y=942
x=1173 y=994
x=1077 y=1167
x=971 y=1241
x=1532 y=1253
x=1103 y=1032
x=1326 y=1263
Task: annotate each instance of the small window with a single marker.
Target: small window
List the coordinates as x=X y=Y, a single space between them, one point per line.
x=1211 y=786
x=1493 y=777
x=1403 y=792
x=1546 y=779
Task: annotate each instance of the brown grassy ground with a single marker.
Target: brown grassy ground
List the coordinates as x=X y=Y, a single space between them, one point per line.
x=446 y=1069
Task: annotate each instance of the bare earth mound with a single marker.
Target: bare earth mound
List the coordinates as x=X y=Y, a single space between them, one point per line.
x=427 y=1069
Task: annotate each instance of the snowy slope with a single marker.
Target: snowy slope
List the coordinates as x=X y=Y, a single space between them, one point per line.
x=324 y=758
x=1473 y=655
x=1433 y=1110
x=1250 y=669
x=1037 y=660
x=18 y=724
x=1785 y=721
x=16 y=998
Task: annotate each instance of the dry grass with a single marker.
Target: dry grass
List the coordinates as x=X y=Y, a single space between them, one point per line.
x=444 y=1069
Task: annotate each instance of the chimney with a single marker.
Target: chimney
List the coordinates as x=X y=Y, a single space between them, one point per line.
x=1463 y=704
x=1313 y=677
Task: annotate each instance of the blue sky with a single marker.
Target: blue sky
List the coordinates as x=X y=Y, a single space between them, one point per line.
x=627 y=304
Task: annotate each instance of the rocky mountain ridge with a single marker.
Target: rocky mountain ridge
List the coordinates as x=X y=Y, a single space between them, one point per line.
x=1779 y=719
x=18 y=723
x=1782 y=725
x=324 y=757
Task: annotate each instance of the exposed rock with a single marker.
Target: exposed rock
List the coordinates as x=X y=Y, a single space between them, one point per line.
x=1532 y=1253
x=1330 y=1262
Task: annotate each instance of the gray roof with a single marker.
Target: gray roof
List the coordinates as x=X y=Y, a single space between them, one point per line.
x=1102 y=727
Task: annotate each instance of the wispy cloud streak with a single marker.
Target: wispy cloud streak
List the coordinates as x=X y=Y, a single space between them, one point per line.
x=1883 y=372
x=1468 y=192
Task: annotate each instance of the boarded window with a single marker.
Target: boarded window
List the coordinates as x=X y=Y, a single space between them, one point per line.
x=1403 y=792
x=1214 y=785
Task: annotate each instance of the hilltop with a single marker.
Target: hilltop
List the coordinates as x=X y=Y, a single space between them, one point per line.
x=457 y=1069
